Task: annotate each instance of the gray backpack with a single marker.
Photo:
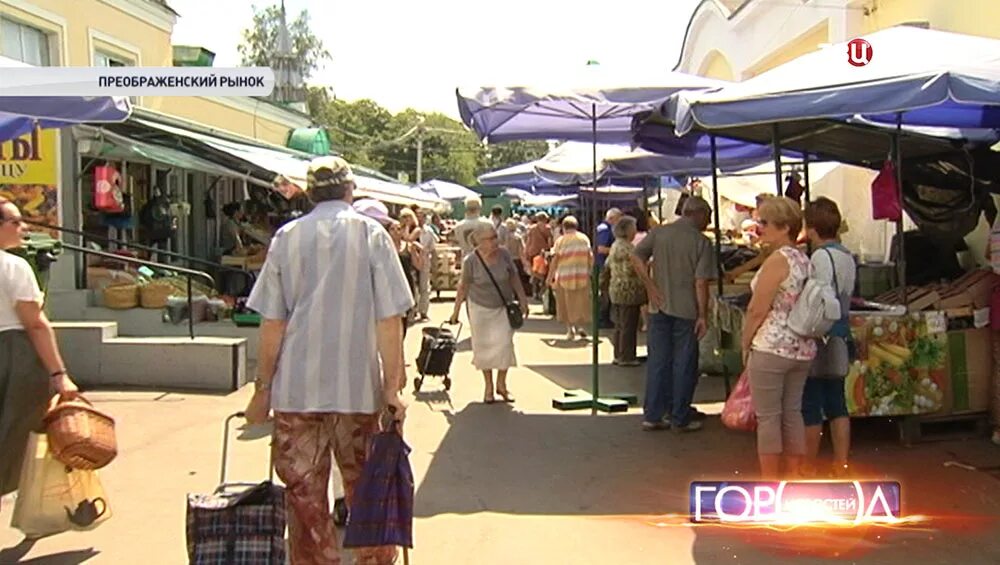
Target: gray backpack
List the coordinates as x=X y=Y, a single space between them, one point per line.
x=817 y=308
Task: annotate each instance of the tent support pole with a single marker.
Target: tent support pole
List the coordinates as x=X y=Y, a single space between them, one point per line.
x=900 y=230
x=581 y=399
x=805 y=177
x=719 y=274
x=808 y=196
x=776 y=146
x=594 y=286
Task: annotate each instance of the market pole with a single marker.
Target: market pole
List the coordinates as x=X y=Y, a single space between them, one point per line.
x=595 y=275
x=805 y=176
x=420 y=156
x=900 y=233
x=776 y=145
x=718 y=245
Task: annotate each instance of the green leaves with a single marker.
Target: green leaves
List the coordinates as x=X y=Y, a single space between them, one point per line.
x=368 y=134
x=260 y=40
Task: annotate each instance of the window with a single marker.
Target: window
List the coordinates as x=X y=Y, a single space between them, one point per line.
x=103 y=59
x=24 y=43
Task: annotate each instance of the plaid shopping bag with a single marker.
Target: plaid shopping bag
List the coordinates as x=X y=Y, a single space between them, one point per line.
x=244 y=528
x=382 y=507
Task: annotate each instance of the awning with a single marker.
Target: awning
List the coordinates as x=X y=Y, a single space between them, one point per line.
x=109 y=145
x=277 y=162
x=261 y=164
x=395 y=193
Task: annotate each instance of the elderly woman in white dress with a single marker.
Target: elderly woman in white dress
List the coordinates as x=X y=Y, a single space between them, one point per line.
x=492 y=335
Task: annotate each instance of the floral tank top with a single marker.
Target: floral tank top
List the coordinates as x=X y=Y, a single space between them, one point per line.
x=774 y=337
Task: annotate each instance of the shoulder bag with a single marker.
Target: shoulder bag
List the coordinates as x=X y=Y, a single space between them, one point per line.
x=514 y=314
x=833 y=355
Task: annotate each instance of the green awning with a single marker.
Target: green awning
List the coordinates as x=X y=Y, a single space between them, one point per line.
x=314 y=141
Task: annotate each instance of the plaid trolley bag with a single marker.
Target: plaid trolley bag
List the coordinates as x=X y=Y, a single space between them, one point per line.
x=239 y=523
x=437 y=349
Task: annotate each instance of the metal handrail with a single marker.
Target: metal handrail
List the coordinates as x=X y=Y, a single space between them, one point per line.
x=251 y=279
x=188 y=273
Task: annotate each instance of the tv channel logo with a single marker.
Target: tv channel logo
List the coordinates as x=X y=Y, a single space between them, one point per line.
x=859 y=52
x=795 y=502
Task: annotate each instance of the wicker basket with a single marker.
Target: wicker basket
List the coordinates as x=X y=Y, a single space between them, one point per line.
x=121 y=296
x=155 y=294
x=80 y=435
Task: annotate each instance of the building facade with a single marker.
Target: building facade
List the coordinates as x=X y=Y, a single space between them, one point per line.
x=200 y=151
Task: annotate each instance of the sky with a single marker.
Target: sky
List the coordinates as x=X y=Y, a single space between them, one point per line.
x=404 y=53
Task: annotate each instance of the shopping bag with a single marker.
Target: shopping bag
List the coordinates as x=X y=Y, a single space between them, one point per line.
x=53 y=497
x=885 y=195
x=737 y=413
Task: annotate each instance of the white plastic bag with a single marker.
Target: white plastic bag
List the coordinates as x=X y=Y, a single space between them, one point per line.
x=54 y=498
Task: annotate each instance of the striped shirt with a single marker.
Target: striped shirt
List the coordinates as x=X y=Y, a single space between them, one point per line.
x=573 y=270
x=330 y=275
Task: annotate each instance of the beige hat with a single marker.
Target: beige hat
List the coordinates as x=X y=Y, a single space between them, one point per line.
x=328 y=171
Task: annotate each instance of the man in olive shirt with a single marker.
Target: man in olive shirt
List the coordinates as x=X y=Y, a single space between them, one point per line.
x=683 y=264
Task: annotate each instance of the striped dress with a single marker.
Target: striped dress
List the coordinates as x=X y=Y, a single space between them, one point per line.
x=572 y=278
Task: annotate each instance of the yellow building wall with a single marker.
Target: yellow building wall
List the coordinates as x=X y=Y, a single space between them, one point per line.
x=147 y=45
x=717 y=66
x=974 y=17
x=805 y=43
x=151 y=43
x=218 y=115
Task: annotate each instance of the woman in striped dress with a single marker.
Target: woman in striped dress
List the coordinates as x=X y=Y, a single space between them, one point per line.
x=569 y=277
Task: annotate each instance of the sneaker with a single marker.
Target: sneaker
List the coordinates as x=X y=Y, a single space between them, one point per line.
x=616 y=362
x=570 y=335
x=581 y=333
x=691 y=426
x=655 y=426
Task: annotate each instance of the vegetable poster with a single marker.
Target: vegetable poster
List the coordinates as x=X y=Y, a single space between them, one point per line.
x=29 y=175
x=902 y=368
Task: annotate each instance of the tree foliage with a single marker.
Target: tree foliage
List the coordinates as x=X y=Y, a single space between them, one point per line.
x=260 y=40
x=367 y=134
x=510 y=153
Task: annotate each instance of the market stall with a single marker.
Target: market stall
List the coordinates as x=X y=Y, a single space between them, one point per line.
x=921 y=350
x=930 y=356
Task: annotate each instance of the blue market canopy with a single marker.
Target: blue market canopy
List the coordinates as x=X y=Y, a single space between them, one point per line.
x=934 y=78
x=571 y=162
x=20 y=114
x=591 y=103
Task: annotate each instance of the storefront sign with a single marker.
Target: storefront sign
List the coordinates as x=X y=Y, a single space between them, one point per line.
x=29 y=174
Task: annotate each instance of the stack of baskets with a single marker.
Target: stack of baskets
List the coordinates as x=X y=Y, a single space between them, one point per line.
x=154 y=295
x=446 y=269
x=121 y=296
x=79 y=435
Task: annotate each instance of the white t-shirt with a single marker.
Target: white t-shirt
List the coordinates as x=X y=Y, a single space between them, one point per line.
x=17 y=284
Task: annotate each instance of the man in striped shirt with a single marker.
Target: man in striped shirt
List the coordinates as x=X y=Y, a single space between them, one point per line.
x=331 y=294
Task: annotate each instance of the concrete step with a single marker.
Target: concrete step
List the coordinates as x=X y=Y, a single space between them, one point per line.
x=97 y=356
x=79 y=305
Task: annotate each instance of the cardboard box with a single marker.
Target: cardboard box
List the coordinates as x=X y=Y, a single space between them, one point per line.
x=970 y=371
x=974 y=290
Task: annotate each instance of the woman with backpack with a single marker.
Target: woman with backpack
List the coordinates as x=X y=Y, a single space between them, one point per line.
x=777 y=359
x=824 y=392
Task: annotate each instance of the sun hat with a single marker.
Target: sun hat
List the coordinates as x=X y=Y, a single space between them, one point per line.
x=374 y=210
